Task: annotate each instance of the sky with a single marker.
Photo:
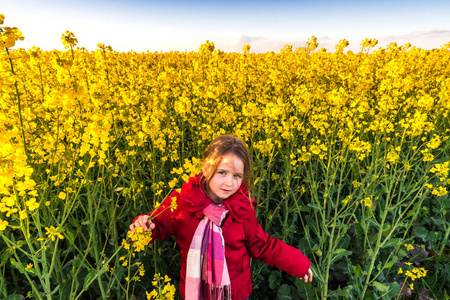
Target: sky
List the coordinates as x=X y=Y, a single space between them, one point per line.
x=175 y=25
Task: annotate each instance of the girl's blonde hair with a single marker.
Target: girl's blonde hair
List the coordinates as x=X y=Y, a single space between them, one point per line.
x=221 y=146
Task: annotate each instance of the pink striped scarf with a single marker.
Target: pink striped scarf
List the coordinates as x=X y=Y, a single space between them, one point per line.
x=206 y=271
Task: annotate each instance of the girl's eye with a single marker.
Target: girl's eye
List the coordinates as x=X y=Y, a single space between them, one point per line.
x=238 y=176
x=221 y=172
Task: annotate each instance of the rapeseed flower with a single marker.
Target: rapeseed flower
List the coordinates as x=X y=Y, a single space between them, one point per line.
x=140 y=238
x=367 y=202
x=32 y=204
x=53 y=233
x=3 y=224
x=163 y=289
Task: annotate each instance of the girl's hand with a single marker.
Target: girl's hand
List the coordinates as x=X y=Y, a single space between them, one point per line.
x=308 y=276
x=143 y=221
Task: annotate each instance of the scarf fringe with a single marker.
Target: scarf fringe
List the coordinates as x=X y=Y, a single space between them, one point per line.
x=216 y=292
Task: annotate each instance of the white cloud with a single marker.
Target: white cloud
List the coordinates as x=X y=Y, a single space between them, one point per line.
x=427 y=39
x=261 y=44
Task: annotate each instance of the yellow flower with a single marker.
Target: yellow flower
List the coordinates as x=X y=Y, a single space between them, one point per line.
x=410 y=275
x=434 y=143
x=346 y=200
x=23 y=214
x=367 y=202
x=125 y=245
x=152 y=295
x=62 y=195
x=392 y=156
x=32 y=204
x=33 y=193
x=141 y=270
x=3 y=224
x=140 y=238
x=9 y=201
x=409 y=247
x=173 y=183
x=427 y=156
x=440 y=191
x=162 y=288
x=441 y=170
x=185 y=177
x=52 y=232
x=173 y=204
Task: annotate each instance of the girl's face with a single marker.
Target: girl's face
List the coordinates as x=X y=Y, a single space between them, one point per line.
x=227 y=179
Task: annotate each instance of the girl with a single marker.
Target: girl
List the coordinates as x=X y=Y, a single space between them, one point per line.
x=216 y=228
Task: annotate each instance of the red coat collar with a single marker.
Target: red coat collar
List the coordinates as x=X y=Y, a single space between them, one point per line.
x=193 y=198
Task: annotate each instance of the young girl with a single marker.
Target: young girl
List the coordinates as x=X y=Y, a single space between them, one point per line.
x=216 y=228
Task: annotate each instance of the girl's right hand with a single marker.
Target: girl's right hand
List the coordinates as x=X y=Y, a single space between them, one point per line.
x=143 y=221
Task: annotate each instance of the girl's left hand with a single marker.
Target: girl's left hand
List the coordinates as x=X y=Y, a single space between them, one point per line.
x=308 y=276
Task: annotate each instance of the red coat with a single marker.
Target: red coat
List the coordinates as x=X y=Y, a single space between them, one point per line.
x=244 y=237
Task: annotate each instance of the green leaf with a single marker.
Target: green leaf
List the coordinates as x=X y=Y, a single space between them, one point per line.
x=55 y=290
x=357 y=270
x=70 y=236
x=381 y=287
x=392 y=262
x=89 y=279
x=421 y=232
x=14 y=297
x=4 y=257
x=284 y=292
x=338 y=253
x=392 y=243
x=402 y=253
x=315 y=206
x=343 y=294
x=394 y=289
x=315 y=248
x=274 y=280
x=438 y=222
x=345 y=240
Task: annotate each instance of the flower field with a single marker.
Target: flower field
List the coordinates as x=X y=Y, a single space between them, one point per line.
x=350 y=154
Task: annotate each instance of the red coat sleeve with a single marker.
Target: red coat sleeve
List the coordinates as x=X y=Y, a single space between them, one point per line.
x=273 y=251
x=163 y=219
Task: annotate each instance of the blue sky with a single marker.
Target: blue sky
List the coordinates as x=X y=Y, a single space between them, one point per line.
x=266 y=25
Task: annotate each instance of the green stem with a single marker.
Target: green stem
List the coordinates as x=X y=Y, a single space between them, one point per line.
x=12 y=245
x=19 y=106
x=444 y=242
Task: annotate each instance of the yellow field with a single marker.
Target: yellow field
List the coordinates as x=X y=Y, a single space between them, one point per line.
x=94 y=137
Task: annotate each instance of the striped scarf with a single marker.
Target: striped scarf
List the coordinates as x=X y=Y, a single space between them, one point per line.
x=207 y=275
